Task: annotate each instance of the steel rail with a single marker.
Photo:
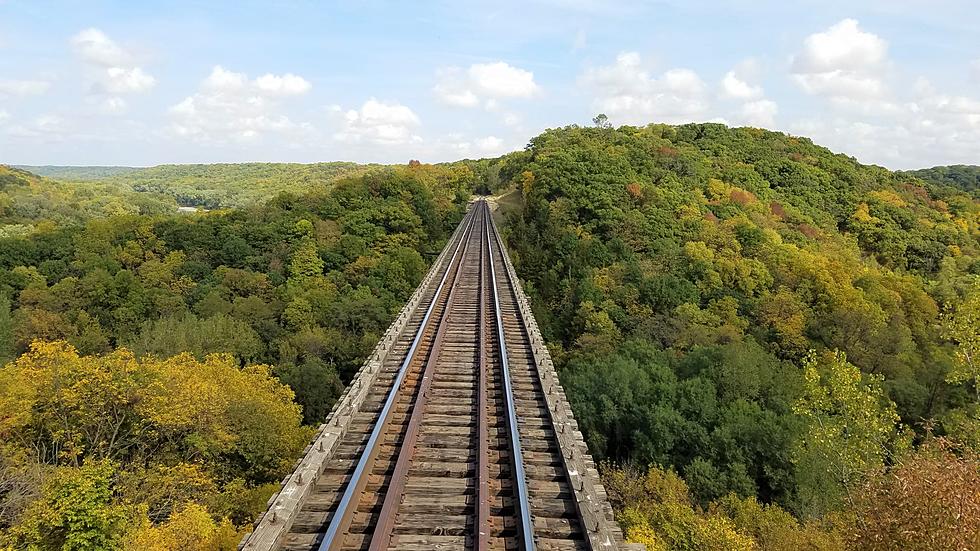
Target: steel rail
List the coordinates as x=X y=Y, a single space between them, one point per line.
x=333 y=538
x=520 y=477
x=381 y=537
x=481 y=528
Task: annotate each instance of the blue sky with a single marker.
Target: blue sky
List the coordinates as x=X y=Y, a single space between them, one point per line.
x=140 y=83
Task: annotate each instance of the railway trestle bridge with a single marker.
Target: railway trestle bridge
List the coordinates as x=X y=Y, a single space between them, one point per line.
x=455 y=433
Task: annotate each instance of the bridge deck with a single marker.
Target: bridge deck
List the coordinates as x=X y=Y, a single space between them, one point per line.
x=427 y=449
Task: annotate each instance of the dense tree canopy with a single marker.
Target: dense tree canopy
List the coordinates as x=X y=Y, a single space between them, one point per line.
x=751 y=310
x=964 y=177
x=148 y=406
x=209 y=186
x=770 y=346
x=29 y=203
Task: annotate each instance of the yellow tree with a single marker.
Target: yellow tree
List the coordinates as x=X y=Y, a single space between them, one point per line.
x=850 y=428
x=962 y=326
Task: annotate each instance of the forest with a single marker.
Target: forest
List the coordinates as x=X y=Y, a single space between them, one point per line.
x=771 y=345
x=767 y=345
x=210 y=186
x=164 y=371
x=965 y=177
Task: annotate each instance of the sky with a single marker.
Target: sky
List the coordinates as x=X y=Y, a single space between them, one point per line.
x=890 y=82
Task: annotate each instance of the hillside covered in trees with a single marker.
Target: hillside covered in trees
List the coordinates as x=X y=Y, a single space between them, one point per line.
x=758 y=321
x=964 y=177
x=29 y=202
x=168 y=366
x=209 y=186
x=767 y=345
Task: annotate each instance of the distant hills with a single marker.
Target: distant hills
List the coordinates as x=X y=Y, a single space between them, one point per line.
x=208 y=185
x=78 y=172
x=965 y=177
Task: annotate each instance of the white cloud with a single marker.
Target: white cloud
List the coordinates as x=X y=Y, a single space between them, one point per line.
x=4 y=115
x=490 y=143
x=45 y=128
x=626 y=91
x=457 y=146
x=738 y=83
x=512 y=119
x=284 y=85
x=484 y=83
x=842 y=47
x=760 y=113
x=113 y=71
x=113 y=105
x=452 y=89
x=734 y=87
x=123 y=81
x=229 y=107
x=899 y=124
x=500 y=80
x=93 y=46
x=379 y=122
x=223 y=80
x=842 y=85
x=928 y=128
x=23 y=87
x=842 y=63
x=975 y=69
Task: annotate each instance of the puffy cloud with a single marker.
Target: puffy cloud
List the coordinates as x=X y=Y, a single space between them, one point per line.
x=734 y=87
x=626 y=91
x=23 y=87
x=760 y=113
x=452 y=90
x=929 y=128
x=284 y=85
x=905 y=125
x=512 y=119
x=461 y=147
x=223 y=80
x=489 y=144
x=114 y=70
x=93 y=46
x=113 y=105
x=737 y=83
x=500 y=80
x=380 y=123
x=484 y=83
x=840 y=85
x=45 y=128
x=123 y=81
x=843 y=63
x=842 y=47
x=230 y=107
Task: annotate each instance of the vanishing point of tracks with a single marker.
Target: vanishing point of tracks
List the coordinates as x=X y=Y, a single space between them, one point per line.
x=455 y=443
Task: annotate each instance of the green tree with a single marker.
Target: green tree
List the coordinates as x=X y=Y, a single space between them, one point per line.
x=851 y=427
x=962 y=326
x=76 y=512
x=6 y=331
x=305 y=262
x=316 y=385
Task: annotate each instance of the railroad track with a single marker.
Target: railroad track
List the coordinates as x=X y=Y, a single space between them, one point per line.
x=455 y=435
